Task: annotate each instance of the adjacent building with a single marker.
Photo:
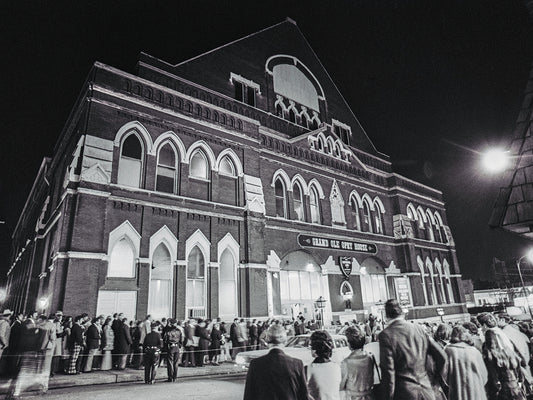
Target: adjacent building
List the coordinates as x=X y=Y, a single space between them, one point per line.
x=236 y=183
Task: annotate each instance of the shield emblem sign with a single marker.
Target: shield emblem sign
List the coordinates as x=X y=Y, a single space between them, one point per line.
x=345 y=264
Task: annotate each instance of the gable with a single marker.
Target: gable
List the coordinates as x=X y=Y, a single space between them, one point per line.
x=275 y=62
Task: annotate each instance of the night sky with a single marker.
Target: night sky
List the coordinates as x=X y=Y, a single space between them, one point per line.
x=432 y=83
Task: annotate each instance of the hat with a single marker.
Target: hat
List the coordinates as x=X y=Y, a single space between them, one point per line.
x=7 y=312
x=276 y=334
x=171 y=321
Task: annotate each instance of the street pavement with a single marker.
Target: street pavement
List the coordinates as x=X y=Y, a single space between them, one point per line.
x=133 y=377
x=230 y=387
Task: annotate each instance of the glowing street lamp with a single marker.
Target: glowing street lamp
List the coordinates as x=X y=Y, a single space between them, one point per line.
x=43 y=303
x=529 y=256
x=495 y=160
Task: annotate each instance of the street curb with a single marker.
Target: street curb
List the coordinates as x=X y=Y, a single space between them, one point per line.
x=120 y=377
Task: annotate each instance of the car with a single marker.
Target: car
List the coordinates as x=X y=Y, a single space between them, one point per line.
x=300 y=347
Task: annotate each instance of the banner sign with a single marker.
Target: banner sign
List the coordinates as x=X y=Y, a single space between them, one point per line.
x=344 y=245
x=403 y=294
x=345 y=264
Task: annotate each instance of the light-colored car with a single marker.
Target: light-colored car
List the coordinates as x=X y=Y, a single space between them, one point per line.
x=299 y=347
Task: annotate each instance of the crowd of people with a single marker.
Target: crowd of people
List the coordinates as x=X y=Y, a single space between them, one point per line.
x=488 y=357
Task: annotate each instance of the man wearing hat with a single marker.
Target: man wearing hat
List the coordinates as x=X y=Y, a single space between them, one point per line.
x=152 y=353
x=5 y=330
x=172 y=340
x=276 y=376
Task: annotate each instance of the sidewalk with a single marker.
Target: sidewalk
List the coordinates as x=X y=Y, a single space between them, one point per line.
x=132 y=375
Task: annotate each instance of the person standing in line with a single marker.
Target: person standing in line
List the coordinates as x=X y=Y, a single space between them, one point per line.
x=276 y=376
x=14 y=344
x=172 y=340
x=190 y=345
x=216 y=341
x=94 y=338
x=152 y=353
x=116 y=326
x=123 y=340
x=253 y=335
x=234 y=338
x=203 y=343
x=324 y=377
x=108 y=340
x=466 y=372
x=242 y=335
x=403 y=351
x=47 y=333
x=57 y=351
x=75 y=346
x=5 y=330
x=357 y=370
x=138 y=333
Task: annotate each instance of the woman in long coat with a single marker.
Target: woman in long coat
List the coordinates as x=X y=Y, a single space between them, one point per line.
x=123 y=339
x=203 y=343
x=216 y=339
x=467 y=374
x=107 y=345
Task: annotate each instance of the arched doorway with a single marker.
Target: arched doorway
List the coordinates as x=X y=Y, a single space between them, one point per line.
x=373 y=284
x=300 y=285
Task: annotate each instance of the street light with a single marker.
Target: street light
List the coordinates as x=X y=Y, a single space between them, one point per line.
x=529 y=256
x=440 y=311
x=43 y=303
x=495 y=160
x=321 y=304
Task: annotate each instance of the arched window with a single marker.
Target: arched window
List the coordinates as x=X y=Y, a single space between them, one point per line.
x=279 y=110
x=320 y=144
x=304 y=120
x=430 y=228
x=160 y=299
x=228 y=285
x=281 y=201
x=356 y=217
x=199 y=167
x=378 y=220
x=422 y=234
x=366 y=223
x=314 y=205
x=130 y=163
x=122 y=260
x=195 y=297
x=227 y=167
x=411 y=214
x=297 y=196
x=167 y=170
x=423 y=279
x=292 y=115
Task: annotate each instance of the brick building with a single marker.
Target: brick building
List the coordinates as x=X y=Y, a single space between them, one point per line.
x=238 y=182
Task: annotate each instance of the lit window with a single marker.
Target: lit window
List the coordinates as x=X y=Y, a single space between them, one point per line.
x=367 y=222
x=356 y=218
x=314 y=205
x=245 y=90
x=160 y=299
x=228 y=285
x=195 y=279
x=279 y=189
x=122 y=260
x=198 y=166
x=166 y=170
x=130 y=163
x=298 y=202
x=227 y=167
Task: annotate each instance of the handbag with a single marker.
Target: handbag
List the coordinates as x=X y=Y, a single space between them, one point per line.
x=376 y=389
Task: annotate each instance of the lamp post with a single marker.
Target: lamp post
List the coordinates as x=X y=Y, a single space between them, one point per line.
x=529 y=256
x=321 y=304
x=440 y=311
x=43 y=303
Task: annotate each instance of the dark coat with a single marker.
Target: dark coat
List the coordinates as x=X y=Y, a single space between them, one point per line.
x=403 y=350
x=14 y=336
x=93 y=337
x=216 y=338
x=123 y=339
x=203 y=342
x=252 y=332
x=276 y=376
x=76 y=336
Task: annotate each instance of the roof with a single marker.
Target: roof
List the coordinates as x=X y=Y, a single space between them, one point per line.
x=513 y=210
